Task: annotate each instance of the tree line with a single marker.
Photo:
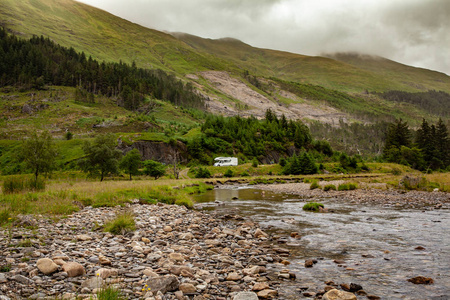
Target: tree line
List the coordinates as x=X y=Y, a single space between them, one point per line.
x=38 y=61
x=434 y=102
x=249 y=138
x=101 y=158
x=427 y=149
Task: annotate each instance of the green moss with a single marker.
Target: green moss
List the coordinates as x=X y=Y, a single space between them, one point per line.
x=329 y=187
x=313 y=206
x=314 y=185
x=347 y=187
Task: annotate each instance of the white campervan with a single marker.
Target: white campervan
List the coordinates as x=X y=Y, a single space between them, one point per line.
x=225 y=161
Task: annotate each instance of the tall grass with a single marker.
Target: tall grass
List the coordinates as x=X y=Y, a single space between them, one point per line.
x=109 y=293
x=20 y=183
x=63 y=197
x=123 y=223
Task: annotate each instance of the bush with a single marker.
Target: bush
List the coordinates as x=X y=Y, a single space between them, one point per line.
x=35 y=184
x=202 y=173
x=154 y=168
x=329 y=187
x=245 y=174
x=255 y=162
x=314 y=185
x=364 y=167
x=68 y=135
x=229 y=173
x=283 y=161
x=16 y=184
x=347 y=187
x=303 y=164
x=414 y=183
x=122 y=224
x=312 y=206
x=13 y=184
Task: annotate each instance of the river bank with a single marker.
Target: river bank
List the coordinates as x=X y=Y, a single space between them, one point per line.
x=174 y=253
x=375 y=194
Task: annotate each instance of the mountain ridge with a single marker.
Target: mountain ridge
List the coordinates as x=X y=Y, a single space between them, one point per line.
x=288 y=83
x=108 y=37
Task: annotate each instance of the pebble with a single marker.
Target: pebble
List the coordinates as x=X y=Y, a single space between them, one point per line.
x=173 y=251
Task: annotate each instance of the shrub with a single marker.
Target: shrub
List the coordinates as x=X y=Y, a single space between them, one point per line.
x=229 y=173
x=283 y=161
x=414 y=183
x=329 y=187
x=13 y=184
x=202 y=173
x=154 y=168
x=122 y=224
x=245 y=174
x=314 y=185
x=16 y=184
x=312 y=206
x=35 y=184
x=303 y=164
x=364 y=167
x=68 y=135
x=255 y=162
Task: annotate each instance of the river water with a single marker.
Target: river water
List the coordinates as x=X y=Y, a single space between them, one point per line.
x=378 y=244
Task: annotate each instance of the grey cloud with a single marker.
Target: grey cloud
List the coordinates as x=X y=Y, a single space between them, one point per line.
x=414 y=32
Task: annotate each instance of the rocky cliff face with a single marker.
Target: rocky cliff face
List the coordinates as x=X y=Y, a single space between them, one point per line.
x=159 y=151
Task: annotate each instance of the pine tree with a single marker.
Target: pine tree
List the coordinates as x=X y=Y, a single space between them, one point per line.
x=398 y=135
x=442 y=142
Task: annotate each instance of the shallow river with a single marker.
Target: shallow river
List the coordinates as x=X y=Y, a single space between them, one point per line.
x=377 y=244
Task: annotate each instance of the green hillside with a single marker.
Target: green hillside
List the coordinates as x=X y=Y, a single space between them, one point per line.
x=107 y=37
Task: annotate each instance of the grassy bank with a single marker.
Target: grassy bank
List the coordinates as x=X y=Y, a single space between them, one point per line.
x=63 y=197
x=68 y=193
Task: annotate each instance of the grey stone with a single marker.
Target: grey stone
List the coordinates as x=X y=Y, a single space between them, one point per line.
x=246 y=296
x=93 y=283
x=22 y=279
x=164 y=284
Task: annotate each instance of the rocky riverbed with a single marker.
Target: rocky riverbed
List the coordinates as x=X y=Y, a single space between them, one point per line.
x=174 y=253
x=372 y=194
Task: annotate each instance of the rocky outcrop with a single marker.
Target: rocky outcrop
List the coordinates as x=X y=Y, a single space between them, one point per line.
x=159 y=151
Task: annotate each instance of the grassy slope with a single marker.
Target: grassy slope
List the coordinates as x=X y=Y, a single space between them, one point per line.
x=108 y=37
x=102 y=35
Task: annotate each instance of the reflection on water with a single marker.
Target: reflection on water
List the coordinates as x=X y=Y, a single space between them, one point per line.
x=378 y=244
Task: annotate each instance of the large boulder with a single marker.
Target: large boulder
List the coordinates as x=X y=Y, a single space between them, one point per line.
x=335 y=294
x=164 y=284
x=421 y=280
x=73 y=269
x=187 y=288
x=46 y=266
x=267 y=294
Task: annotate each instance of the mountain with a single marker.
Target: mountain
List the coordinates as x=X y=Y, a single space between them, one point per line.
x=235 y=77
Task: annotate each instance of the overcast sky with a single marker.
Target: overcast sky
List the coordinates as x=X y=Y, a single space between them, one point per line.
x=413 y=32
